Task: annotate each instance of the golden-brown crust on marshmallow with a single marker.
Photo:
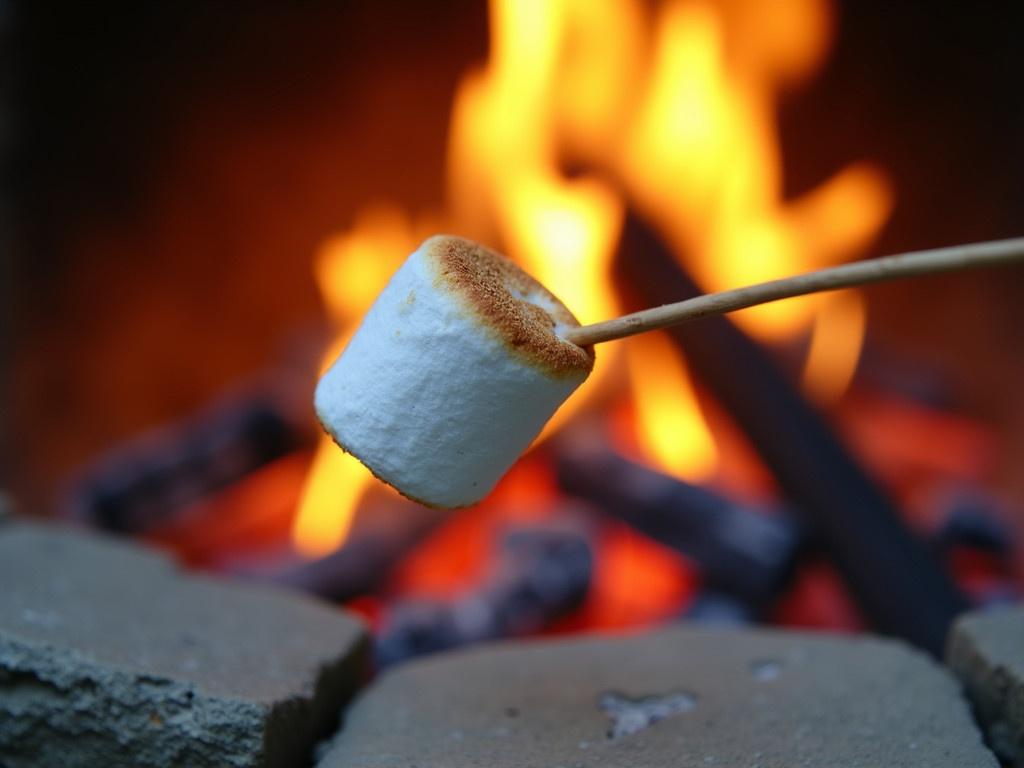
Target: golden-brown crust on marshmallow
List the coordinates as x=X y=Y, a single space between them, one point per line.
x=497 y=290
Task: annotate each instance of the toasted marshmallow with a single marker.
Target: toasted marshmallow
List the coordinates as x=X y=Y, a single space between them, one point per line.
x=452 y=373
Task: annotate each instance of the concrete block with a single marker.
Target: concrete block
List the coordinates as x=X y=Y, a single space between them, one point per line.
x=111 y=656
x=986 y=651
x=680 y=697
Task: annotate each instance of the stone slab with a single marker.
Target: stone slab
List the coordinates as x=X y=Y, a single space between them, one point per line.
x=680 y=697
x=109 y=655
x=986 y=651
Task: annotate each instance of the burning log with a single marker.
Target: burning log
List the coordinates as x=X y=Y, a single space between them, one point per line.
x=710 y=607
x=895 y=580
x=359 y=567
x=147 y=481
x=972 y=520
x=543 y=574
x=742 y=554
x=973 y=538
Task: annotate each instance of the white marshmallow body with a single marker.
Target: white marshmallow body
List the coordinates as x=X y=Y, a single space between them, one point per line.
x=429 y=395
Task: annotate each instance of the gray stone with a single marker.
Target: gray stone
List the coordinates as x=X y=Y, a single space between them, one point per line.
x=111 y=656
x=986 y=651
x=677 y=697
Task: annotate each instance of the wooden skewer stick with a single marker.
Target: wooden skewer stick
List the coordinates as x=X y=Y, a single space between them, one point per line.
x=834 y=278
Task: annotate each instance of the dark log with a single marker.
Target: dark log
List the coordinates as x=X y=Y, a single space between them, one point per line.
x=386 y=529
x=358 y=568
x=145 y=482
x=970 y=519
x=709 y=607
x=746 y=554
x=897 y=583
x=541 y=575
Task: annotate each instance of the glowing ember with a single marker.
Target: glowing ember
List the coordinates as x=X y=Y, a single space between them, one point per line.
x=689 y=133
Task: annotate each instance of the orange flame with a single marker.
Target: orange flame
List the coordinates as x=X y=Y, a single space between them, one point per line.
x=689 y=131
x=672 y=433
x=335 y=484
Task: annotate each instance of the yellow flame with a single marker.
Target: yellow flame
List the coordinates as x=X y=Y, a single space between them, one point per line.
x=504 y=180
x=704 y=159
x=335 y=483
x=351 y=269
x=565 y=235
x=671 y=432
x=841 y=216
x=692 y=139
x=599 y=66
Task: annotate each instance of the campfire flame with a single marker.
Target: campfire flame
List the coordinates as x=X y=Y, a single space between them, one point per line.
x=688 y=131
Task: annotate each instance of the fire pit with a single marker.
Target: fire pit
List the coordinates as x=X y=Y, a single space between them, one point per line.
x=245 y=182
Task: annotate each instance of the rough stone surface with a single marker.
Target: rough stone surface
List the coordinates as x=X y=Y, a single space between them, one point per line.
x=110 y=656
x=986 y=651
x=678 y=697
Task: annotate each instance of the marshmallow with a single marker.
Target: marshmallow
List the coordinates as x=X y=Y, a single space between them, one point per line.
x=452 y=373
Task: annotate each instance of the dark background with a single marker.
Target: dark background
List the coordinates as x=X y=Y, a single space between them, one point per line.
x=171 y=167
